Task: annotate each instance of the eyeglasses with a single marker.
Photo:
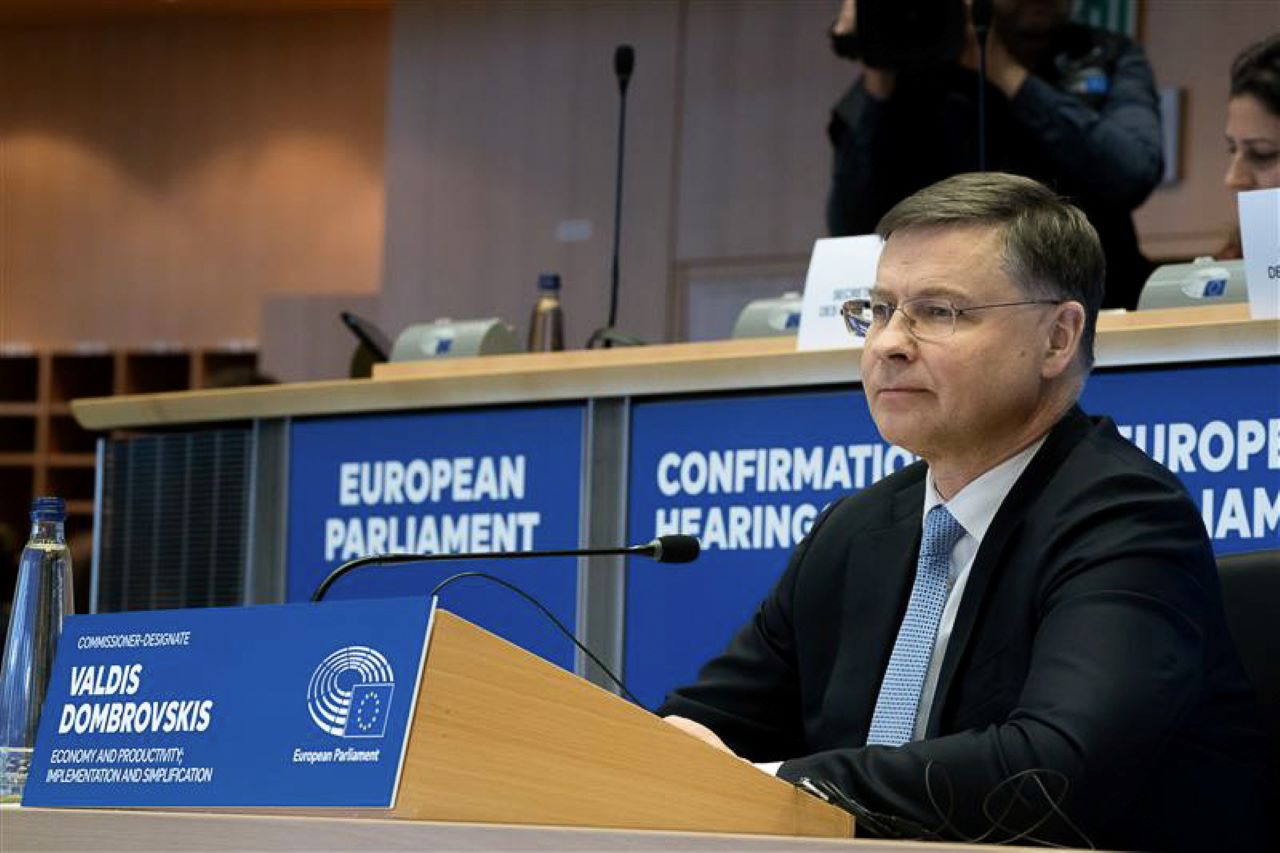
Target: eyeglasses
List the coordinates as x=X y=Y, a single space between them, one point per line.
x=928 y=318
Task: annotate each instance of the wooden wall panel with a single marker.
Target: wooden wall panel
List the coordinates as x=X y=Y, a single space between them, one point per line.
x=501 y=125
x=759 y=82
x=161 y=176
x=79 y=11
x=1191 y=44
x=303 y=337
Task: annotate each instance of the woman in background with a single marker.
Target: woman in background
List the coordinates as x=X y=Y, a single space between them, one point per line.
x=1253 y=124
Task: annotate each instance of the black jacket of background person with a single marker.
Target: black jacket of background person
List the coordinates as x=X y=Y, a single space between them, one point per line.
x=1090 y=640
x=1101 y=151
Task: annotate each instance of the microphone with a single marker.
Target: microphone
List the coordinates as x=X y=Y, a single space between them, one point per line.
x=624 y=62
x=673 y=548
x=982 y=11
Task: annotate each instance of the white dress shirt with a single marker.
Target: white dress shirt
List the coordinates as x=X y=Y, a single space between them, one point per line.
x=974 y=507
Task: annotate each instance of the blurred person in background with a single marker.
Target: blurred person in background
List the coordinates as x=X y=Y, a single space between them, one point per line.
x=1253 y=125
x=1069 y=105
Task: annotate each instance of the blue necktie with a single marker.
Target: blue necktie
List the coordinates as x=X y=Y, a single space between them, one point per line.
x=896 y=706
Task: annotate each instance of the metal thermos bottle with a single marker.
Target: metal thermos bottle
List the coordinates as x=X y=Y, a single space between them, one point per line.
x=546 y=326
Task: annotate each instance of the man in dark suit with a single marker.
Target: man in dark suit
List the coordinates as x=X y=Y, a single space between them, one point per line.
x=1021 y=634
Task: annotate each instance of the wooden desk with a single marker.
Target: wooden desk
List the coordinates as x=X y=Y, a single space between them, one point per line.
x=1150 y=337
x=66 y=829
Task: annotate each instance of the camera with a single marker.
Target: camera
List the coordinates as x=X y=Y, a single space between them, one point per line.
x=905 y=35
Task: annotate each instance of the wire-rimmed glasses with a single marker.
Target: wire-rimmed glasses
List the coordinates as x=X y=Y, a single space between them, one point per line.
x=929 y=318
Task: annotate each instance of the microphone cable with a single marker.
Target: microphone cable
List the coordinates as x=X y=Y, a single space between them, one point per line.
x=896 y=827
x=545 y=612
x=997 y=822
x=883 y=825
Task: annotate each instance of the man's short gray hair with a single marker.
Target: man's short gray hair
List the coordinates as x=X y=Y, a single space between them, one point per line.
x=1049 y=249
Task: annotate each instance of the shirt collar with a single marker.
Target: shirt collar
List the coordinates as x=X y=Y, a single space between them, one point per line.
x=975 y=505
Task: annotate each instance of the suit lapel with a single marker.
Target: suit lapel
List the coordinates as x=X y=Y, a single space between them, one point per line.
x=990 y=560
x=895 y=563
x=879 y=574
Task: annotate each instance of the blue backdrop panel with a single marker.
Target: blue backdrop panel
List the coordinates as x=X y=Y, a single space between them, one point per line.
x=443 y=482
x=746 y=475
x=1218 y=429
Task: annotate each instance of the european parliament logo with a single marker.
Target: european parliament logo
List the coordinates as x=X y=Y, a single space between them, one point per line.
x=350 y=693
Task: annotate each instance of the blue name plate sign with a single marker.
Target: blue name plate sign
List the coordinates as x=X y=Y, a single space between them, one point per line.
x=283 y=706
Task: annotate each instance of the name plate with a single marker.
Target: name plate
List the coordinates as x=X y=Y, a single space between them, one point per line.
x=276 y=706
x=1260 y=238
x=840 y=268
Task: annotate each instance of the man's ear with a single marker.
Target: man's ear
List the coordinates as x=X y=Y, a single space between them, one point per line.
x=1066 y=336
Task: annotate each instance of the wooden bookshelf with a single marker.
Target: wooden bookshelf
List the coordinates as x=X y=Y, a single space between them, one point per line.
x=44 y=450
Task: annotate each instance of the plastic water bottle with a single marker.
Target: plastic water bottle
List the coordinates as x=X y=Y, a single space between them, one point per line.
x=546 y=326
x=41 y=600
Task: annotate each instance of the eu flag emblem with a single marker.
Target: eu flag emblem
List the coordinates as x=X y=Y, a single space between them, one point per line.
x=369 y=705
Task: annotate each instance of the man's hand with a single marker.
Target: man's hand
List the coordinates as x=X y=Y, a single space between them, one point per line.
x=878 y=82
x=847 y=19
x=1004 y=71
x=699 y=731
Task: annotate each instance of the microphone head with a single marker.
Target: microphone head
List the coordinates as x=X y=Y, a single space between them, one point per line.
x=624 y=62
x=676 y=548
x=981 y=13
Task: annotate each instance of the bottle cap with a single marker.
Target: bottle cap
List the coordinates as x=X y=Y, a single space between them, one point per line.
x=549 y=281
x=48 y=509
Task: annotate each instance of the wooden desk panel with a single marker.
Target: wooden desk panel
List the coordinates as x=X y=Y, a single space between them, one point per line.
x=72 y=829
x=1150 y=337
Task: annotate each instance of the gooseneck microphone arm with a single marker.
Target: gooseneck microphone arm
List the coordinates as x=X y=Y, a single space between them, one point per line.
x=675 y=548
x=624 y=63
x=981 y=13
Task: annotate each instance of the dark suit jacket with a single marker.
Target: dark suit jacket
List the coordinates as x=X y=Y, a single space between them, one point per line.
x=1090 y=641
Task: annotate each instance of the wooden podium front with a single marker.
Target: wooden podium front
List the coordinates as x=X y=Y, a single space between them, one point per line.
x=502 y=736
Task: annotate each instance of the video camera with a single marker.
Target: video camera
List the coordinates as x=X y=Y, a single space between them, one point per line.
x=908 y=35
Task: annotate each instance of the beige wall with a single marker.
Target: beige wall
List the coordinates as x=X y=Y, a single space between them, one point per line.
x=501 y=125
x=158 y=177
x=161 y=178
x=1191 y=44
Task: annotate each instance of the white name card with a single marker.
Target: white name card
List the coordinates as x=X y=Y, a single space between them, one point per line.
x=1260 y=237
x=840 y=268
